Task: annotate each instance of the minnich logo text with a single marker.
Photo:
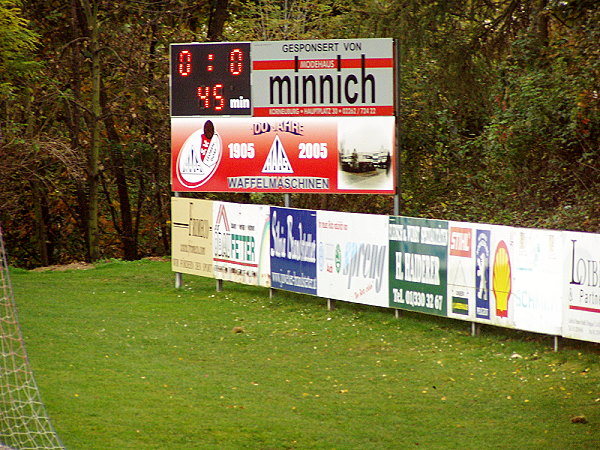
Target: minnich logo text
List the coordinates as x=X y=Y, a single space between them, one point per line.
x=324 y=89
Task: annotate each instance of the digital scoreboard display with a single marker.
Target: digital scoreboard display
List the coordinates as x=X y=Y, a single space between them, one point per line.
x=210 y=79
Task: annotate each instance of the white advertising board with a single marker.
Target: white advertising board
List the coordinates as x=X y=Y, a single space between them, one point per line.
x=581 y=286
x=241 y=243
x=525 y=279
x=338 y=77
x=537 y=273
x=509 y=277
x=352 y=257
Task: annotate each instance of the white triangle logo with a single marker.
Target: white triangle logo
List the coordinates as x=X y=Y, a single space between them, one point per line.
x=277 y=161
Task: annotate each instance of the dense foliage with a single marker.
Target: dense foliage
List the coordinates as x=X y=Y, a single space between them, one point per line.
x=500 y=113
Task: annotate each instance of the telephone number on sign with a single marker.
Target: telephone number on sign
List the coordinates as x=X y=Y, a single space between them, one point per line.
x=418 y=299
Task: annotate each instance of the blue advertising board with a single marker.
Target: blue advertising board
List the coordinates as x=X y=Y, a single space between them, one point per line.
x=294 y=250
x=482 y=274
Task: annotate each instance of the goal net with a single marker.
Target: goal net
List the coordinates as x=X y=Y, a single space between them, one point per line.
x=24 y=423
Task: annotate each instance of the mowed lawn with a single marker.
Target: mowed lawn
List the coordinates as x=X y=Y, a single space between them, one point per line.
x=126 y=361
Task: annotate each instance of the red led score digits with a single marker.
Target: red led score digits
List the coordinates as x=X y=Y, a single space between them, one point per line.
x=185 y=63
x=205 y=93
x=236 y=62
x=212 y=96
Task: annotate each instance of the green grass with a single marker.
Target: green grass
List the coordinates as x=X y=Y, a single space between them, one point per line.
x=124 y=360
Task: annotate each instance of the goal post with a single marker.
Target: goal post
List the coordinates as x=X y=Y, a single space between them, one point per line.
x=24 y=423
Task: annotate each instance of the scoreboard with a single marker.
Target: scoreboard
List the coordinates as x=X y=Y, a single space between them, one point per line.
x=210 y=79
x=283 y=116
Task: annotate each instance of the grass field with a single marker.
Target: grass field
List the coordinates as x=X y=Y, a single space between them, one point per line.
x=124 y=360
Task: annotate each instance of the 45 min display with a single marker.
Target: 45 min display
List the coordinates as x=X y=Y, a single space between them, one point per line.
x=210 y=79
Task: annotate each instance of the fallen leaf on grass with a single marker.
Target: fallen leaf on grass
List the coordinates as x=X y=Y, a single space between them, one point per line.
x=579 y=419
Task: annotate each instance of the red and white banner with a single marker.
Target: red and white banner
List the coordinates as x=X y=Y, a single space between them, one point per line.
x=282 y=154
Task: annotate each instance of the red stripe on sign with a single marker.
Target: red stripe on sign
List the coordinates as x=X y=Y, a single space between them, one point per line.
x=370 y=63
x=273 y=65
x=235 y=262
x=584 y=308
x=326 y=110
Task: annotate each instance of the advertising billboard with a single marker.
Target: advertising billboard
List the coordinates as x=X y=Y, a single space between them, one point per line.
x=192 y=236
x=581 y=286
x=337 y=77
x=461 y=271
x=418 y=264
x=537 y=271
x=310 y=155
x=293 y=240
x=505 y=276
x=241 y=243
x=353 y=257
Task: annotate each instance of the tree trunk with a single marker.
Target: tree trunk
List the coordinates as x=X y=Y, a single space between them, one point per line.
x=38 y=193
x=126 y=229
x=540 y=23
x=74 y=116
x=41 y=213
x=91 y=13
x=216 y=19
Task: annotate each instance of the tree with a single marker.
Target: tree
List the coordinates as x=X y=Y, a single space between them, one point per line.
x=17 y=43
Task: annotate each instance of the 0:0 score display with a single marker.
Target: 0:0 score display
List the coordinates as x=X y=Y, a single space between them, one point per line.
x=210 y=79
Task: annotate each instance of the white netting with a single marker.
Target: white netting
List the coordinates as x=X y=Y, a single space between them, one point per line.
x=24 y=423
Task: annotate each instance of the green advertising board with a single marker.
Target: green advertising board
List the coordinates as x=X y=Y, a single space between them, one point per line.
x=418 y=264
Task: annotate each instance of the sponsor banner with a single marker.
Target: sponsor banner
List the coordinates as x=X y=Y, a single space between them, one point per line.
x=319 y=155
x=241 y=243
x=192 y=237
x=501 y=276
x=418 y=252
x=581 y=286
x=321 y=78
x=469 y=272
x=524 y=278
x=293 y=240
x=461 y=271
x=505 y=276
x=537 y=271
x=482 y=273
x=353 y=257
